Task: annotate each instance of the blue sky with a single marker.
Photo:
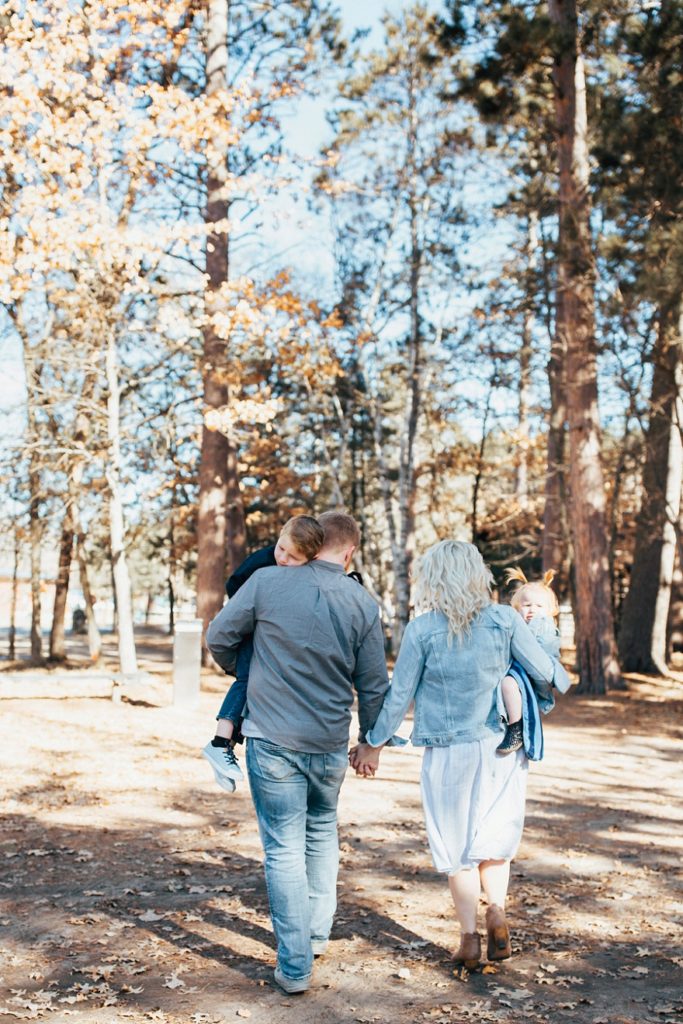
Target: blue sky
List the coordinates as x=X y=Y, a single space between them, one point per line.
x=293 y=236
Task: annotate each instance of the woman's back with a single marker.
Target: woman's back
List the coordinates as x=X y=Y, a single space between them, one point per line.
x=456 y=697
x=455 y=684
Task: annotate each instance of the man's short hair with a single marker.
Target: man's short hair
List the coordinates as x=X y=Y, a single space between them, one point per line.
x=305 y=533
x=340 y=529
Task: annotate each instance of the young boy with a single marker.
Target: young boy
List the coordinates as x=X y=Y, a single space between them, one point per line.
x=537 y=604
x=300 y=540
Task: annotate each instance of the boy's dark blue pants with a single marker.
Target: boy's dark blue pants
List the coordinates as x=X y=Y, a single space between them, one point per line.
x=236 y=697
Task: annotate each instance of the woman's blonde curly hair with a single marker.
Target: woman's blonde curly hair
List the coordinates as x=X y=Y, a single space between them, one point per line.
x=451 y=577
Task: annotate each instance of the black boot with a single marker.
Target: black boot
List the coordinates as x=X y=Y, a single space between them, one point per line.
x=512 y=740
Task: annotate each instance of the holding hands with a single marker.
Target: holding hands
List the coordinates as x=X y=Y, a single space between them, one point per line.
x=364 y=759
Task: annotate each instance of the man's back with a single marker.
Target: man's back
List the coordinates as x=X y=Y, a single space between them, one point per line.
x=317 y=635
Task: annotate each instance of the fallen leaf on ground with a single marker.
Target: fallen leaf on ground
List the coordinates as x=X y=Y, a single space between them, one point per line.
x=173 y=981
x=511 y=993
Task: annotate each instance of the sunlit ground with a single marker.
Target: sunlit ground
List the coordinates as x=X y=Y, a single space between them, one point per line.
x=132 y=889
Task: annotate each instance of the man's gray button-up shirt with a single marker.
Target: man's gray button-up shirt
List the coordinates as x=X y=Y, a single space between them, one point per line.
x=317 y=637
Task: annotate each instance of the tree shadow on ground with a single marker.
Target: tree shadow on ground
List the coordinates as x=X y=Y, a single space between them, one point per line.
x=66 y=887
x=96 y=900
x=151 y=915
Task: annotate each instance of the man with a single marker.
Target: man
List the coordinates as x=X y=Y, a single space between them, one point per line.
x=317 y=637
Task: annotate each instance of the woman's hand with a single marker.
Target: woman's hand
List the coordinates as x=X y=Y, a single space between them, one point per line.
x=364 y=759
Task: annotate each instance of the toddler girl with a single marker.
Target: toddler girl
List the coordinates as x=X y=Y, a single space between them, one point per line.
x=537 y=604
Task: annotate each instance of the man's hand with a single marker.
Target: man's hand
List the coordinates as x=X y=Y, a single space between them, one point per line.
x=364 y=759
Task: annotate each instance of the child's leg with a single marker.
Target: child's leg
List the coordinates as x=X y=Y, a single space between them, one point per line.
x=236 y=697
x=514 y=733
x=231 y=708
x=218 y=751
x=512 y=699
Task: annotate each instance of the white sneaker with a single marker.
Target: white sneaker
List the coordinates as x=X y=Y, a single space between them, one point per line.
x=225 y=767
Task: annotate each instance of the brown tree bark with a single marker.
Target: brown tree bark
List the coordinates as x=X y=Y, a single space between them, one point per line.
x=595 y=644
x=554 y=551
x=643 y=633
x=674 y=627
x=57 y=635
x=218 y=479
x=525 y=350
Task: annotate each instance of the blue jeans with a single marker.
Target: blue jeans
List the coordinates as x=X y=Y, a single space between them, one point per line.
x=236 y=697
x=295 y=796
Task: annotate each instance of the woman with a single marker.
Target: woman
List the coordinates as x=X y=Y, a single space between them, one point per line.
x=451 y=662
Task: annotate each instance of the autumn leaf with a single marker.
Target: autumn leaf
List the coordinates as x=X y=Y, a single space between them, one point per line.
x=151 y=915
x=173 y=981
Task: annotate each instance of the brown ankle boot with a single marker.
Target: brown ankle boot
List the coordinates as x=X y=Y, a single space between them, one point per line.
x=498 y=946
x=469 y=950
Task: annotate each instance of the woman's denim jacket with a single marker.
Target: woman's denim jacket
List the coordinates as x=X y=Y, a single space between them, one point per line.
x=455 y=685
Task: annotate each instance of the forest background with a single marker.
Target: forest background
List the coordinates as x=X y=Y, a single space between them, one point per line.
x=478 y=337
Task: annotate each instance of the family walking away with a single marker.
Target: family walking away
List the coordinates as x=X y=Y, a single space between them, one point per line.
x=314 y=640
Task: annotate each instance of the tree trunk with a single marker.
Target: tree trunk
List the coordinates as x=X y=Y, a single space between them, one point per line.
x=620 y=476
x=57 y=638
x=384 y=481
x=171 y=604
x=595 y=646
x=94 y=636
x=33 y=373
x=170 y=578
x=124 y=603
x=642 y=637
x=81 y=434
x=217 y=470
x=406 y=478
x=479 y=465
x=674 y=629
x=555 y=511
x=13 y=599
x=522 y=448
x=36 y=608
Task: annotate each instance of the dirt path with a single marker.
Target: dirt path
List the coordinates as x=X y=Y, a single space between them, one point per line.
x=131 y=887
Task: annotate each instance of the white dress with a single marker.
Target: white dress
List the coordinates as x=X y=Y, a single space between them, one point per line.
x=473 y=802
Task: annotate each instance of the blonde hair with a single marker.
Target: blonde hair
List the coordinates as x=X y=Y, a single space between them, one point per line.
x=541 y=587
x=306 y=533
x=452 y=577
